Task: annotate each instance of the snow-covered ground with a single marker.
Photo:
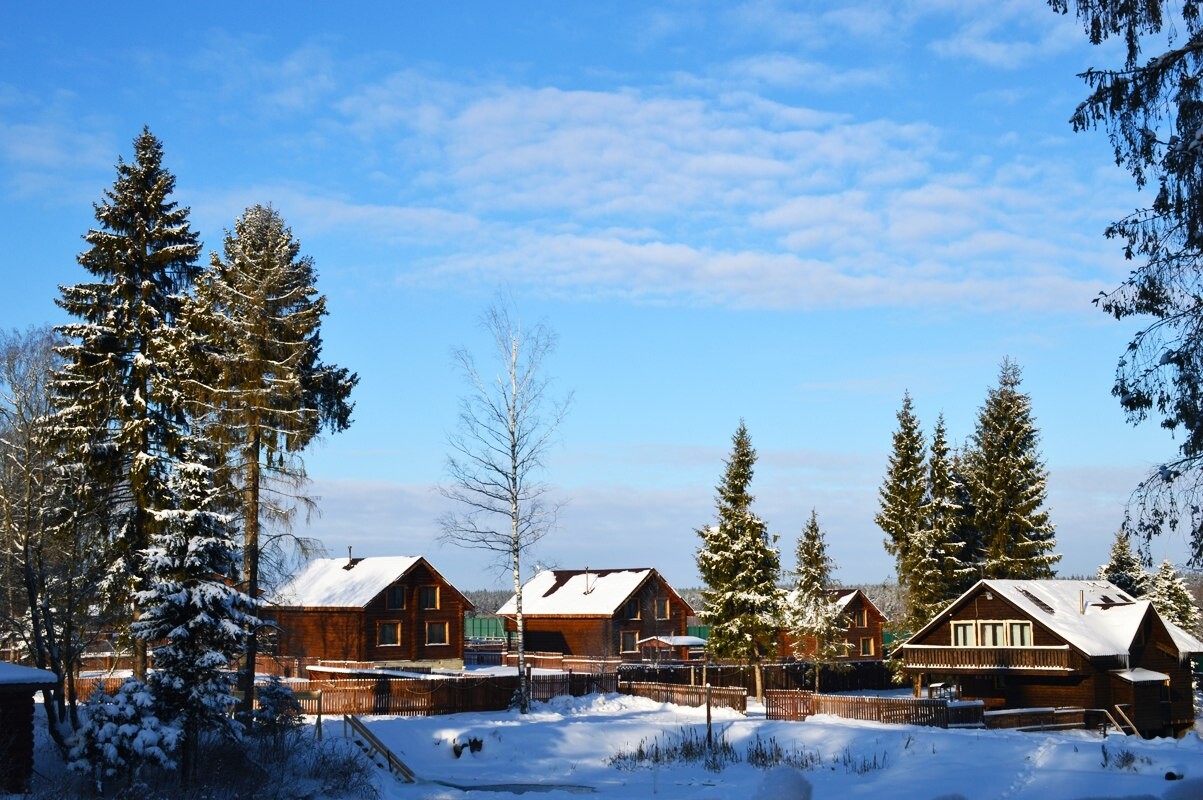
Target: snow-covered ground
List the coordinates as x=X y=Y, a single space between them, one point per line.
x=572 y=741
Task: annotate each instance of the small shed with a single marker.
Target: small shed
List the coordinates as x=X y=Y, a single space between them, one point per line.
x=17 y=687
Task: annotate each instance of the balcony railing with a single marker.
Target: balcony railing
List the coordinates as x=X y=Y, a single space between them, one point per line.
x=986 y=658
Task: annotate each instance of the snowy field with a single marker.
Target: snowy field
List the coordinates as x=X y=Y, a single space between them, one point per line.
x=572 y=742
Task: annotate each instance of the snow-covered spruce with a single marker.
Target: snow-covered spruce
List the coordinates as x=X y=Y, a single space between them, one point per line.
x=121 y=735
x=195 y=620
x=740 y=566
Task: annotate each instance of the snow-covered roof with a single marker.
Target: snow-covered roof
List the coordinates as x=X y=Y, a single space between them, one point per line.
x=1140 y=675
x=329 y=583
x=676 y=641
x=1186 y=643
x=571 y=592
x=1094 y=616
x=841 y=597
x=17 y=675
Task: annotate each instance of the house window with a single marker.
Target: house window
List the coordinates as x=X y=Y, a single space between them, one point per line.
x=860 y=618
x=1020 y=634
x=963 y=634
x=866 y=645
x=631 y=609
x=992 y=634
x=629 y=641
x=661 y=608
x=394 y=598
x=428 y=597
x=388 y=634
x=436 y=633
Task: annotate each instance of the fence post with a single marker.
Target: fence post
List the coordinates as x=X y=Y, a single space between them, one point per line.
x=319 y=715
x=709 y=739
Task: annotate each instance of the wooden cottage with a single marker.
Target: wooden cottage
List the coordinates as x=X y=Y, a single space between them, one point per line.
x=1060 y=643
x=393 y=609
x=17 y=687
x=862 y=636
x=602 y=614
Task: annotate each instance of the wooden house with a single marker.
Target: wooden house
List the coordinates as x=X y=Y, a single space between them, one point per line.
x=601 y=614
x=862 y=636
x=1060 y=643
x=394 y=609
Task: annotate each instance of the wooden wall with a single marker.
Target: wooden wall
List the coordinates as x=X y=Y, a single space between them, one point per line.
x=16 y=738
x=334 y=634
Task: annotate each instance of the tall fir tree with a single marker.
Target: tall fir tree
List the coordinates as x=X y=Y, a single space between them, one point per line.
x=1169 y=595
x=116 y=397
x=965 y=522
x=814 y=620
x=740 y=566
x=1124 y=568
x=939 y=572
x=257 y=380
x=902 y=492
x=1007 y=482
x=194 y=619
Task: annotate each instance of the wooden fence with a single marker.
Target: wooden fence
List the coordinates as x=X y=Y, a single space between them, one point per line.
x=420 y=696
x=936 y=713
x=842 y=677
x=735 y=698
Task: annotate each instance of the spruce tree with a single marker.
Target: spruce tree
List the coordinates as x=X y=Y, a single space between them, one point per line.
x=195 y=620
x=116 y=396
x=814 y=619
x=1007 y=483
x=740 y=567
x=1169 y=595
x=1123 y=568
x=902 y=492
x=938 y=573
x=257 y=379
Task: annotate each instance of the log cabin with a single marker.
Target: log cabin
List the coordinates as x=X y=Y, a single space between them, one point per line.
x=863 y=637
x=1060 y=643
x=601 y=614
x=394 y=610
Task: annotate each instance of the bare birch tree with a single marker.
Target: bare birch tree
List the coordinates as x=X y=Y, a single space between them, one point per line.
x=507 y=421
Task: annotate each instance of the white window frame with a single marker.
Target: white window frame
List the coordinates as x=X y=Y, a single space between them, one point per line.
x=992 y=633
x=1012 y=624
x=969 y=627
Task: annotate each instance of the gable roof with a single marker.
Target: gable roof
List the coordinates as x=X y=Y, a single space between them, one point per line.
x=841 y=597
x=585 y=593
x=1093 y=616
x=328 y=583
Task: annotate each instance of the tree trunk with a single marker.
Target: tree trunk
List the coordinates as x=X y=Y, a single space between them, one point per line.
x=523 y=686
x=250 y=569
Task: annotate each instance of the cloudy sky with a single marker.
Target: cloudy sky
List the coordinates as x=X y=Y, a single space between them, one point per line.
x=725 y=210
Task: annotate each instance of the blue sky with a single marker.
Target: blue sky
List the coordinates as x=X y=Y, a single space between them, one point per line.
x=786 y=213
